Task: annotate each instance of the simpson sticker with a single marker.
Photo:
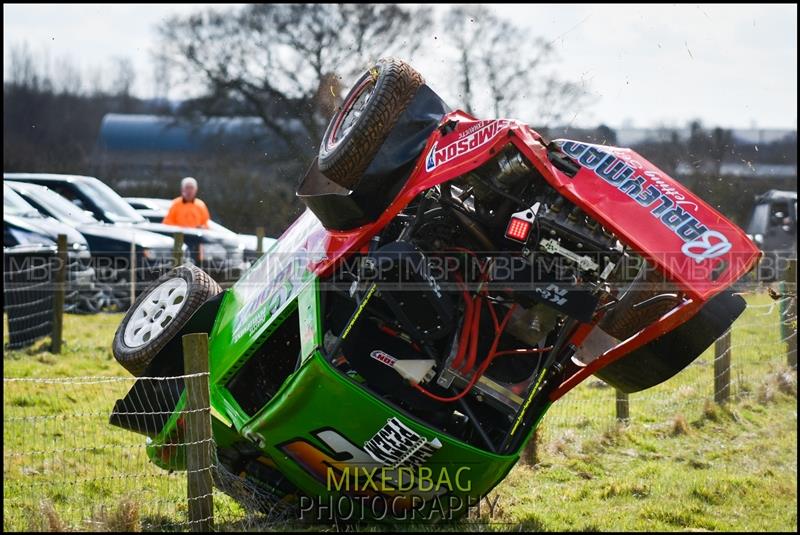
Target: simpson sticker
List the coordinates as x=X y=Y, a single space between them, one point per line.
x=667 y=204
x=469 y=140
x=380 y=356
x=395 y=444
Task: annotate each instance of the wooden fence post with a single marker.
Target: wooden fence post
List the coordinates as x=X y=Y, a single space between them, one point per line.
x=177 y=250
x=530 y=453
x=260 y=245
x=62 y=264
x=623 y=406
x=722 y=368
x=133 y=271
x=788 y=313
x=198 y=433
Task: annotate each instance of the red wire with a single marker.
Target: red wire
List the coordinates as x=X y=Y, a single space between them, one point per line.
x=479 y=372
x=469 y=252
x=473 y=346
x=470 y=337
x=469 y=331
x=522 y=351
x=494 y=316
x=465 y=329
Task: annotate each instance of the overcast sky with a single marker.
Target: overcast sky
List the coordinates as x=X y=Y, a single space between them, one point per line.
x=734 y=66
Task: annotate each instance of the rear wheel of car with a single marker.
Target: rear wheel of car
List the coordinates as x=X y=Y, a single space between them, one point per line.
x=159 y=313
x=644 y=303
x=370 y=111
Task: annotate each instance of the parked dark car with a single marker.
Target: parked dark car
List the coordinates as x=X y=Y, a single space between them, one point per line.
x=219 y=255
x=154 y=210
x=110 y=245
x=24 y=226
x=773 y=227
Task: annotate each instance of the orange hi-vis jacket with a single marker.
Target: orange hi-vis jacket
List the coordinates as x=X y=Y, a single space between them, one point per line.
x=187 y=214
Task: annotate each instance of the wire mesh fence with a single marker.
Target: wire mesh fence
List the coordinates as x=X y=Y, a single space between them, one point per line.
x=28 y=294
x=67 y=468
x=755 y=364
x=91 y=285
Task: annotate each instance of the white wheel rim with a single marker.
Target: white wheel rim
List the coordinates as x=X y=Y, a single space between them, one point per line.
x=155 y=312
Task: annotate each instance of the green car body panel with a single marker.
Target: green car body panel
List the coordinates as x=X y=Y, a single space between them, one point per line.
x=321 y=453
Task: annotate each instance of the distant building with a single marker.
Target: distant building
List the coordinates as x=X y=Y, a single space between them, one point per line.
x=627 y=137
x=148 y=147
x=746 y=169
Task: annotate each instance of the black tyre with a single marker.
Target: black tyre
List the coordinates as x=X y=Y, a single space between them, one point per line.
x=159 y=313
x=370 y=111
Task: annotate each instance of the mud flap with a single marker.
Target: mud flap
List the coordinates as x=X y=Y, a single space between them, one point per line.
x=341 y=209
x=654 y=363
x=148 y=405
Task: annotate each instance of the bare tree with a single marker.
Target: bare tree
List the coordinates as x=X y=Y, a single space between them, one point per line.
x=275 y=61
x=69 y=80
x=501 y=65
x=161 y=77
x=22 y=67
x=558 y=101
x=721 y=146
x=124 y=77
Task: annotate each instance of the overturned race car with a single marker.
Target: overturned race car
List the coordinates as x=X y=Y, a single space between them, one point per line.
x=450 y=279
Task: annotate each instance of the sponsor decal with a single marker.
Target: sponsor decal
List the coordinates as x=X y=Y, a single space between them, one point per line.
x=650 y=190
x=381 y=356
x=710 y=245
x=343 y=467
x=553 y=294
x=469 y=140
x=396 y=444
x=278 y=276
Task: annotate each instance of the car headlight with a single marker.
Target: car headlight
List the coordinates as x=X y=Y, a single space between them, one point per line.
x=758 y=238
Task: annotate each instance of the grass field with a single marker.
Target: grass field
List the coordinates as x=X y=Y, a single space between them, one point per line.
x=682 y=463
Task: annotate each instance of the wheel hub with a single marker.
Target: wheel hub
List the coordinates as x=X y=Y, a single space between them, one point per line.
x=155 y=312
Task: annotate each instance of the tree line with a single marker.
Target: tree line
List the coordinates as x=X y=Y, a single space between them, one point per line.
x=289 y=65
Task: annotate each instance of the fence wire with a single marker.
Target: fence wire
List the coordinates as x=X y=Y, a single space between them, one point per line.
x=27 y=295
x=757 y=370
x=66 y=468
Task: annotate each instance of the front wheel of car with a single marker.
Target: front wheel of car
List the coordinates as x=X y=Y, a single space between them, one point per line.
x=159 y=313
x=370 y=111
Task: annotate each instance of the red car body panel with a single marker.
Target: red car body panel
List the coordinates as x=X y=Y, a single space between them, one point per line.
x=711 y=255
x=716 y=253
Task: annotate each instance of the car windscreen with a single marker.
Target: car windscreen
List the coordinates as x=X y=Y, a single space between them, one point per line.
x=107 y=200
x=14 y=204
x=148 y=203
x=137 y=205
x=159 y=204
x=59 y=207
